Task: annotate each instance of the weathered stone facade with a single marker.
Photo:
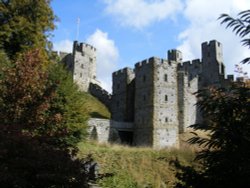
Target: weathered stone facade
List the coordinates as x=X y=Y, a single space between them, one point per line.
x=152 y=103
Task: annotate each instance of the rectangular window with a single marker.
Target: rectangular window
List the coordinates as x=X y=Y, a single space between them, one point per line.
x=165 y=77
x=144 y=78
x=166 y=119
x=166 y=98
x=82 y=66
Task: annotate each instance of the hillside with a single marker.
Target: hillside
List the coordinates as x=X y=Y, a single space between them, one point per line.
x=132 y=167
x=94 y=108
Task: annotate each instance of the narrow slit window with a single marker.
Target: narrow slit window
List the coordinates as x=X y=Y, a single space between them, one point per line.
x=165 y=77
x=166 y=98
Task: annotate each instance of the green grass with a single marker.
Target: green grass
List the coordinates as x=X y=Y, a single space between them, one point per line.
x=135 y=167
x=94 y=108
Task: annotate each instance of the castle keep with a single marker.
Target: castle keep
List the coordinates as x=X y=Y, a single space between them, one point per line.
x=152 y=103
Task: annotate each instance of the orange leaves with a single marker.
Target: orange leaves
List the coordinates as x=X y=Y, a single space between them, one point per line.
x=26 y=93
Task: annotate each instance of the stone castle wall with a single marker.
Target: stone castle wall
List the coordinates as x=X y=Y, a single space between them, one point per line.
x=122 y=97
x=153 y=102
x=101 y=94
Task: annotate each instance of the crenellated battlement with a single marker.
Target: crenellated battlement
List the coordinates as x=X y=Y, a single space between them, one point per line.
x=83 y=47
x=192 y=64
x=211 y=43
x=174 y=55
x=125 y=70
x=150 y=61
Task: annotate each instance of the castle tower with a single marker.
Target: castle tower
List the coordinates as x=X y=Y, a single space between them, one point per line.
x=165 y=124
x=188 y=79
x=156 y=114
x=175 y=55
x=84 y=71
x=122 y=107
x=144 y=78
x=212 y=59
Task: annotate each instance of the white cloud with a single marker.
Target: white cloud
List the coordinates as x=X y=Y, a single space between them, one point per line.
x=142 y=13
x=107 y=57
x=204 y=26
x=63 y=46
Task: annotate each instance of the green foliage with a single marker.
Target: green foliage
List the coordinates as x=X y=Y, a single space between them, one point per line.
x=70 y=101
x=35 y=150
x=225 y=156
x=29 y=162
x=241 y=27
x=25 y=24
x=226 y=152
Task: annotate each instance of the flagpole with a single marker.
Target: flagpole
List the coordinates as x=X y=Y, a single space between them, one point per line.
x=77 y=28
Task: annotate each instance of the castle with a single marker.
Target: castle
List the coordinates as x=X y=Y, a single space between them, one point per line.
x=152 y=103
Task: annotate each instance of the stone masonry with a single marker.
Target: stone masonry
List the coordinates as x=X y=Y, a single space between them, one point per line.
x=153 y=102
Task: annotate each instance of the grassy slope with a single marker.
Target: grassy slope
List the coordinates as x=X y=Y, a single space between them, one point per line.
x=95 y=108
x=135 y=167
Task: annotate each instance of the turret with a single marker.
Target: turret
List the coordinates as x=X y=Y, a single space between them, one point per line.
x=175 y=55
x=212 y=59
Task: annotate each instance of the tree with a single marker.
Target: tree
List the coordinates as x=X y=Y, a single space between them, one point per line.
x=241 y=27
x=34 y=147
x=225 y=156
x=71 y=102
x=25 y=24
x=40 y=114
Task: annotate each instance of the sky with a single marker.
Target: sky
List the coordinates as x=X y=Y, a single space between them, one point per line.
x=128 y=31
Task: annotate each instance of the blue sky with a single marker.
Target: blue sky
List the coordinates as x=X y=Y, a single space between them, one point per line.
x=127 y=31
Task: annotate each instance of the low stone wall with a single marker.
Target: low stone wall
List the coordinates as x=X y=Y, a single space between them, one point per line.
x=109 y=131
x=99 y=129
x=105 y=130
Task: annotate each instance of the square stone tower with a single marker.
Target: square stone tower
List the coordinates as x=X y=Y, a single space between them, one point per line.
x=122 y=106
x=212 y=59
x=156 y=103
x=84 y=65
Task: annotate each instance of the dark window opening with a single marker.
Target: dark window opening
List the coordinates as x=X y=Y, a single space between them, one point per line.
x=166 y=77
x=166 y=98
x=144 y=78
x=166 y=119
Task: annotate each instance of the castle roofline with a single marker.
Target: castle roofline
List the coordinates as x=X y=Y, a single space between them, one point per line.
x=82 y=45
x=122 y=71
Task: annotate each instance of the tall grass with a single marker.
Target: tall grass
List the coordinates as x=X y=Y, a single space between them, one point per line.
x=135 y=167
